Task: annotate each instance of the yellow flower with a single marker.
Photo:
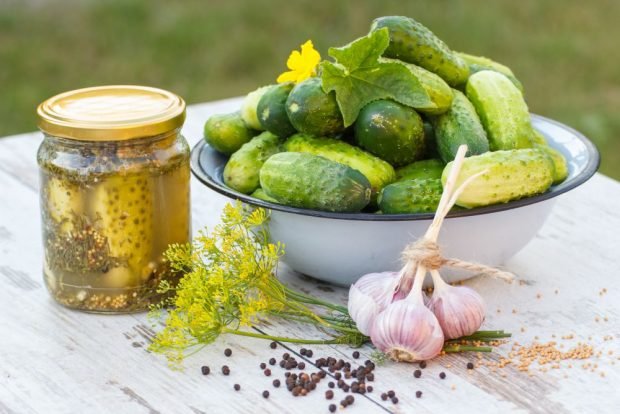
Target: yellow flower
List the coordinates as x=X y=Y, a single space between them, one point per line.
x=302 y=65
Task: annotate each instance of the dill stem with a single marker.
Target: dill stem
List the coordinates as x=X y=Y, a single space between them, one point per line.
x=314 y=301
x=464 y=348
x=280 y=338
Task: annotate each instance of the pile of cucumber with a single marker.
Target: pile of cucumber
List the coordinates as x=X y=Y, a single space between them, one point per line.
x=288 y=143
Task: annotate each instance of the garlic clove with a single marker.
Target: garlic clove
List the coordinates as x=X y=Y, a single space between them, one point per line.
x=369 y=296
x=460 y=310
x=407 y=331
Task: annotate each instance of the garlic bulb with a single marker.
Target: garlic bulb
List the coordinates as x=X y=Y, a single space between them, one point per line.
x=369 y=296
x=460 y=310
x=407 y=330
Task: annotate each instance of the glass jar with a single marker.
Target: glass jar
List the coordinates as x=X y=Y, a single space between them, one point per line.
x=114 y=194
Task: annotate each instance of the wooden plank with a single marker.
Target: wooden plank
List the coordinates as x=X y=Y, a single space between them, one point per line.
x=56 y=360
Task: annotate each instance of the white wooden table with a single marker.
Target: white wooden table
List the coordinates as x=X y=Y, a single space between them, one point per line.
x=53 y=360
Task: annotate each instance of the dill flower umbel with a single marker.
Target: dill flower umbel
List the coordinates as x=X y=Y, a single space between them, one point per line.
x=229 y=283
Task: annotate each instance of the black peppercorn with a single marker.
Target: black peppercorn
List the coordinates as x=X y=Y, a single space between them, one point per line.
x=282 y=364
x=470 y=365
x=273 y=345
x=422 y=364
x=225 y=370
x=417 y=373
x=331 y=384
x=265 y=394
x=285 y=356
x=237 y=387
x=332 y=408
x=356 y=354
x=205 y=370
x=350 y=399
x=228 y=352
x=369 y=388
x=418 y=394
x=391 y=394
x=276 y=383
x=394 y=400
x=442 y=375
x=384 y=396
x=309 y=353
x=303 y=351
x=272 y=361
x=267 y=372
x=301 y=365
x=329 y=394
x=263 y=365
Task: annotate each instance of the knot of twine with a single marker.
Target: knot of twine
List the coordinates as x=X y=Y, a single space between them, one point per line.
x=425 y=252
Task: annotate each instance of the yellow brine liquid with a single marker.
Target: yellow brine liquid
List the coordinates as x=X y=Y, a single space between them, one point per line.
x=109 y=213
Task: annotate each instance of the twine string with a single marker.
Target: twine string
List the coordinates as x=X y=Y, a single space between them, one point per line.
x=425 y=254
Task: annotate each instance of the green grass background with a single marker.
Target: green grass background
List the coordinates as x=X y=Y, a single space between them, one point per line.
x=565 y=52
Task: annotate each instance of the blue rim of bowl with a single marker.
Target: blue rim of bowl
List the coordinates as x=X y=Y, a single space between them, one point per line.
x=589 y=170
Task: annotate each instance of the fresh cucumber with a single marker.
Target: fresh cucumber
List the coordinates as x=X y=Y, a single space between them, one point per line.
x=511 y=175
x=378 y=172
x=502 y=110
x=227 y=132
x=412 y=42
x=460 y=125
x=425 y=169
x=436 y=88
x=312 y=111
x=560 y=166
x=249 y=107
x=411 y=196
x=262 y=195
x=271 y=110
x=242 y=169
x=478 y=63
x=391 y=131
x=310 y=181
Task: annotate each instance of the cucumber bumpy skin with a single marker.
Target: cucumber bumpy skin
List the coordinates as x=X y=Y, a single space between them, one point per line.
x=249 y=107
x=241 y=172
x=411 y=196
x=391 y=131
x=424 y=169
x=460 y=125
x=271 y=110
x=478 y=63
x=560 y=166
x=376 y=170
x=511 y=175
x=436 y=88
x=312 y=111
x=502 y=110
x=310 y=181
x=227 y=132
x=64 y=201
x=412 y=42
x=262 y=195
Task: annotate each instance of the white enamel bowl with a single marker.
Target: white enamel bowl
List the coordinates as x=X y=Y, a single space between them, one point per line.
x=340 y=247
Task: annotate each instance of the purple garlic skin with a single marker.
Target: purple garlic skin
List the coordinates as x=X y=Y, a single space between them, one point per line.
x=459 y=310
x=369 y=296
x=407 y=331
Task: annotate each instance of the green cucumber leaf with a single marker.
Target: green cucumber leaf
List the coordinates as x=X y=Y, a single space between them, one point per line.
x=359 y=76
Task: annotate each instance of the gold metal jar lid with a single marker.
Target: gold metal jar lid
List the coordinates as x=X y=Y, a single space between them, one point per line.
x=111 y=113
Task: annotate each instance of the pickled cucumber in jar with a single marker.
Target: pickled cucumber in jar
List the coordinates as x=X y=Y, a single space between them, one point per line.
x=110 y=208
